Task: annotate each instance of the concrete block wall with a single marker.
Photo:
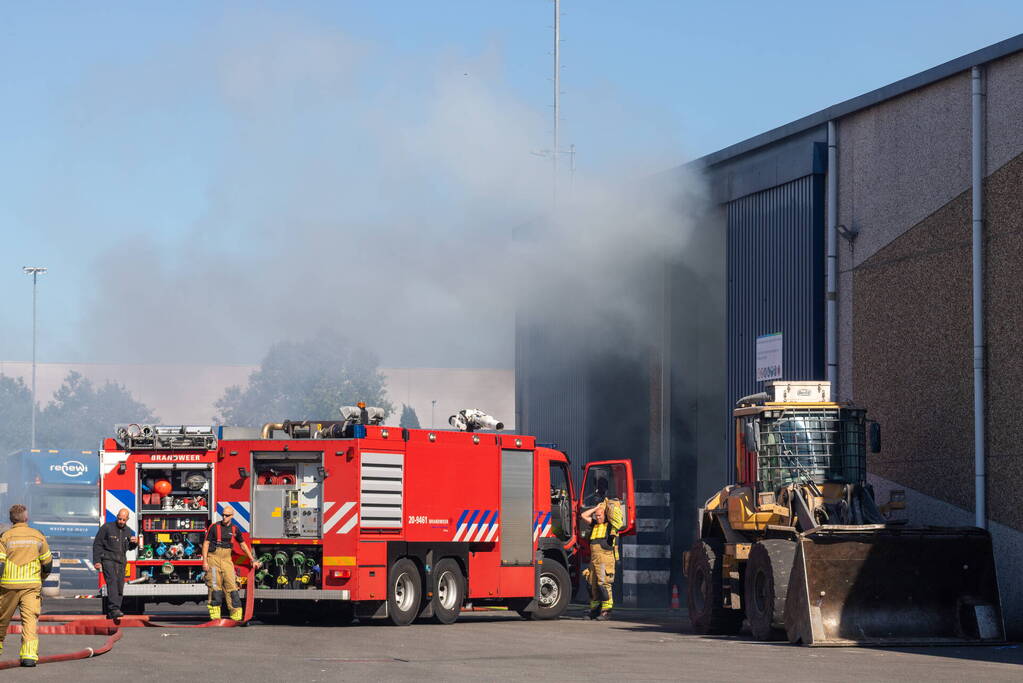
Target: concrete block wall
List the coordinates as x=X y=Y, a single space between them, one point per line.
x=646 y=557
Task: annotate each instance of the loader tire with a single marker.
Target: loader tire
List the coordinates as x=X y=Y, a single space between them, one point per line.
x=704 y=596
x=767 y=585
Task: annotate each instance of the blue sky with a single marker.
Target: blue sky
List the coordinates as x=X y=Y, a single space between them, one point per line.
x=158 y=156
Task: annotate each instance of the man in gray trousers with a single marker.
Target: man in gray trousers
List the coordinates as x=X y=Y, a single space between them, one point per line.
x=113 y=541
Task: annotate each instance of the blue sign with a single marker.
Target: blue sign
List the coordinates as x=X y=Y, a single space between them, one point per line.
x=57 y=468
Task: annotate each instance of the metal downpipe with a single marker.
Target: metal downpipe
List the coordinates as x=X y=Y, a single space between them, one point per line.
x=831 y=340
x=979 y=356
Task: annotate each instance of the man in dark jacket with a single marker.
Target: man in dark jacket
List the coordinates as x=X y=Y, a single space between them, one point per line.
x=113 y=540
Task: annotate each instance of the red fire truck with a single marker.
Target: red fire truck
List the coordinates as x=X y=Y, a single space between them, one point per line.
x=352 y=518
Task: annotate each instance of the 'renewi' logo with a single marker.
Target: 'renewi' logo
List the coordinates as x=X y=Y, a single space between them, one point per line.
x=70 y=468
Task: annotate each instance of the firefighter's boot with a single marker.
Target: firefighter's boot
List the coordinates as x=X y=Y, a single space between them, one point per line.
x=236 y=613
x=29 y=652
x=604 y=615
x=214 y=603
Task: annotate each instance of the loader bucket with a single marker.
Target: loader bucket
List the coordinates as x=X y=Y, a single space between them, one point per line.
x=885 y=585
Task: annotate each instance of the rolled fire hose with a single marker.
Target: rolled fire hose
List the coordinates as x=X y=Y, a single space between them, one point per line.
x=264 y=571
x=311 y=570
x=281 y=560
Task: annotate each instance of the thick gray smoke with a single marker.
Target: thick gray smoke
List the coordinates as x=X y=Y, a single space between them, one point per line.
x=392 y=200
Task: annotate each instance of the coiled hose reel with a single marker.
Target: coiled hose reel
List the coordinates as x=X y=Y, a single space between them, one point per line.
x=281 y=561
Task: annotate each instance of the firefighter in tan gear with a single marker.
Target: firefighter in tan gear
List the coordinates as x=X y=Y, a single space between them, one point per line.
x=25 y=561
x=606 y=518
x=219 y=566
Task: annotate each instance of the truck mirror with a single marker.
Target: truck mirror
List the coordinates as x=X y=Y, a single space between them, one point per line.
x=875 y=437
x=752 y=436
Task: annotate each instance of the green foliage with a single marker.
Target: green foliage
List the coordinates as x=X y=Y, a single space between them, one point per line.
x=305 y=380
x=409 y=419
x=82 y=415
x=15 y=414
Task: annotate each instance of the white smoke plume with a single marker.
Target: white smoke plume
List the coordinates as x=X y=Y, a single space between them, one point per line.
x=392 y=199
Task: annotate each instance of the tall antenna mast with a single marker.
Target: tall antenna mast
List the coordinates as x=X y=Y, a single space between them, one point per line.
x=557 y=95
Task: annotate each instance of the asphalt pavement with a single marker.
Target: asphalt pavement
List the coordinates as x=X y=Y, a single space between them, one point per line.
x=635 y=645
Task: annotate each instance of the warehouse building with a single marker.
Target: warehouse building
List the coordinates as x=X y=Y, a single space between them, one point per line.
x=841 y=246
x=894 y=186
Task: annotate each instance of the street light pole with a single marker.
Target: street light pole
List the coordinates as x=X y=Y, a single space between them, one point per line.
x=34 y=271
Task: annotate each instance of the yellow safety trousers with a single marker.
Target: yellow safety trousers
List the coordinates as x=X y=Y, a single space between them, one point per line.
x=600 y=577
x=222 y=577
x=27 y=601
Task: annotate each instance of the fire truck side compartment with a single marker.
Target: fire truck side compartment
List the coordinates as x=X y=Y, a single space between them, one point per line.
x=516 y=508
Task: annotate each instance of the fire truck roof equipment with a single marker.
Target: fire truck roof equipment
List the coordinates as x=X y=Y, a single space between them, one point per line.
x=166 y=437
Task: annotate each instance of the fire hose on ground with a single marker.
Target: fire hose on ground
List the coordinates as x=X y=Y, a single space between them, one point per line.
x=92 y=625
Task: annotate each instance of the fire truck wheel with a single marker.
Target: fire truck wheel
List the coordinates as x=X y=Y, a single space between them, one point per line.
x=555 y=592
x=404 y=592
x=448 y=591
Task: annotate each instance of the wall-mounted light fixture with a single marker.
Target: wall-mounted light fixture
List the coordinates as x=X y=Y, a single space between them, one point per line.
x=848 y=233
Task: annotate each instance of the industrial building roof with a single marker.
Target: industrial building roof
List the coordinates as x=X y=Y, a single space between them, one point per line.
x=982 y=56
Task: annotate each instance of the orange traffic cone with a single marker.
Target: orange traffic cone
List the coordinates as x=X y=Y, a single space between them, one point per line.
x=674 y=597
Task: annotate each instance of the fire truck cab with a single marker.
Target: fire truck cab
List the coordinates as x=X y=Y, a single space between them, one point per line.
x=358 y=519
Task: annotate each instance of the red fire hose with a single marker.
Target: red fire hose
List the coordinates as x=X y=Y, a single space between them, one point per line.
x=92 y=625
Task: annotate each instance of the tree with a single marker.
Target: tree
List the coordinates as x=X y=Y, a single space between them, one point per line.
x=305 y=380
x=409 y=419
x=15 y=414
x=81 y=415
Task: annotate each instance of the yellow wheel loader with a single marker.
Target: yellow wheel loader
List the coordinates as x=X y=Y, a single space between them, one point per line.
x=800 y=549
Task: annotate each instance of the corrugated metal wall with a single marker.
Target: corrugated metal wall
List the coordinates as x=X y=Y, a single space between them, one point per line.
x=776 y=281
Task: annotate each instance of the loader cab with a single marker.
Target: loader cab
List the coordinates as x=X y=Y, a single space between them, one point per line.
x=822 y=444
x=781 y=444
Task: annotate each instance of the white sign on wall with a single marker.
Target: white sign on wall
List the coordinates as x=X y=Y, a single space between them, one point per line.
x=769 y=357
